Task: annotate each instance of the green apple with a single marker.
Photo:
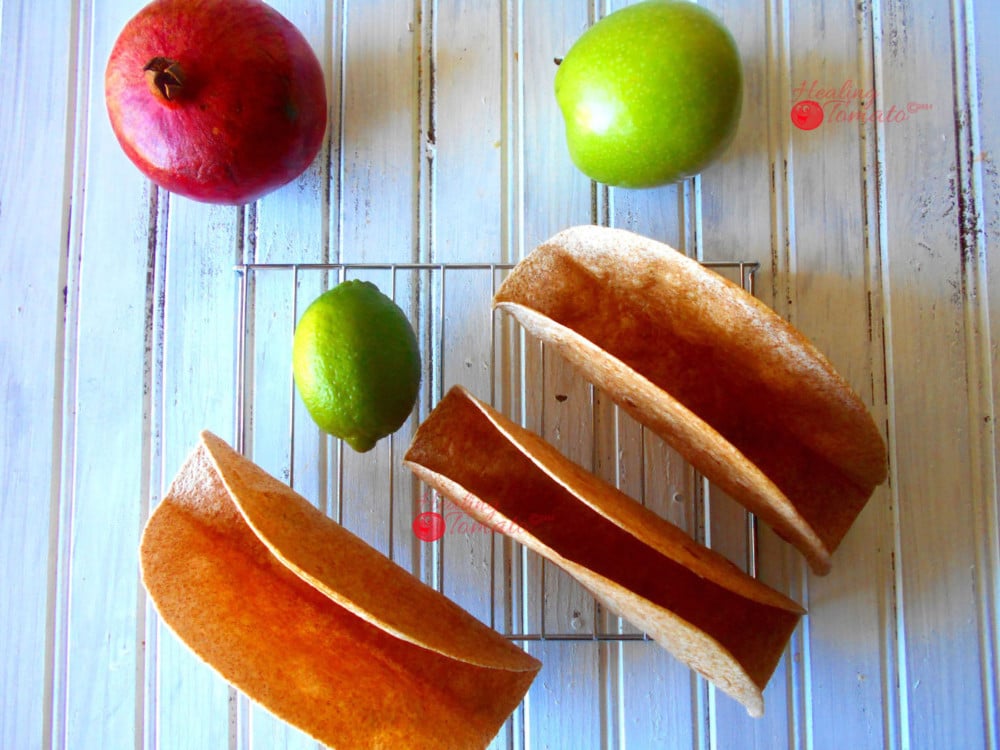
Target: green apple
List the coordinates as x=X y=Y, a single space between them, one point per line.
x=651 y=94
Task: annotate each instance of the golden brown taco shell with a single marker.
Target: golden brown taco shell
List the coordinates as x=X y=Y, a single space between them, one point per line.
x=315 y=625
x=696 y=604
x=729 y=384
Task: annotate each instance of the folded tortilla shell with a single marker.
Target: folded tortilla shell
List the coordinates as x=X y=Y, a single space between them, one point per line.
x=315 y=625
x=696 y=604
x=728 y=383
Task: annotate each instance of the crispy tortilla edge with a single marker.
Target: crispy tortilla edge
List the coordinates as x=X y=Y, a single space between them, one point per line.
x=154 y=574
x=696 y=440
x=507 y=656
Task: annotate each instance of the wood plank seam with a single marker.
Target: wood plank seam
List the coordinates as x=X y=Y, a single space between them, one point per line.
x=895 y=710
x=978 y=340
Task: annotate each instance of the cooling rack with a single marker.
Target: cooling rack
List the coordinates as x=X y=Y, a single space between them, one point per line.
x=463 y=341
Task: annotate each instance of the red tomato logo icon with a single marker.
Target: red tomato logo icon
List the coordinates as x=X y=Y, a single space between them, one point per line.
x=428 y=526
x=807 y=114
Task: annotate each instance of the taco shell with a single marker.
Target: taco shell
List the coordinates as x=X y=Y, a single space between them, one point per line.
x=728 y=383
x=700 y=607
x=315 y=625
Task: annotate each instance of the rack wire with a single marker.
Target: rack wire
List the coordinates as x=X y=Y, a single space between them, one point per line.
x=450 y=306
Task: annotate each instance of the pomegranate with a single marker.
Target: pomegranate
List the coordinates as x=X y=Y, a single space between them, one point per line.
x=218 y=100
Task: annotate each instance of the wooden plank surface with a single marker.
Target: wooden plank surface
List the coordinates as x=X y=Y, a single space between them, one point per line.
x=120 y=341
x=32 y=316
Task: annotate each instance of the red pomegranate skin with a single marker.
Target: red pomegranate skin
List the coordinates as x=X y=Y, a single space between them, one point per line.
x=248 y=115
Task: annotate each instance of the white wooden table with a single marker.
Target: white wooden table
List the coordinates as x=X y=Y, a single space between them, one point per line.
x=122 y=335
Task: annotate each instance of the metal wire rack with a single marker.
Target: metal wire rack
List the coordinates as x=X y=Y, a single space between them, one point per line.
x=462 y=341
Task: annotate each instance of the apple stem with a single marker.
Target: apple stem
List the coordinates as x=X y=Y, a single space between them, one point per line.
x=164 y=77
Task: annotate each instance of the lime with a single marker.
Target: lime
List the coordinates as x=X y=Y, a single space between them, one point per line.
x=356 y=363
